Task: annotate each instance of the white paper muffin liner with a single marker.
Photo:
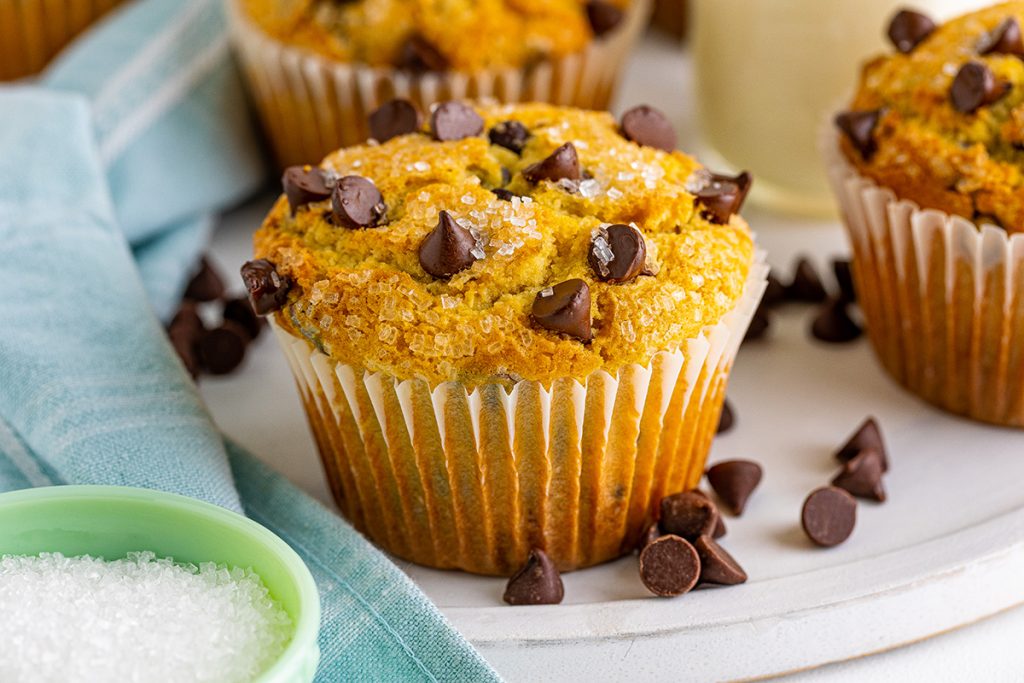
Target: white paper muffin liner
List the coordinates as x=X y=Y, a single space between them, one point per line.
x=452 y=477
x=311 y=105
x=943 y=298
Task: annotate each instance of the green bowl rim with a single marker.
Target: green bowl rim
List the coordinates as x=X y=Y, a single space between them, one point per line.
x=308 y=626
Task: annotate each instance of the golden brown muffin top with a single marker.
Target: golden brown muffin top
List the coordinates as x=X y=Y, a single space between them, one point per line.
x=436 y=35
x=941 y=120
x=365 y=297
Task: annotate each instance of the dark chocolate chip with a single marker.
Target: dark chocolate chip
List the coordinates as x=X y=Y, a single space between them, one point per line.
x=734 y=481
x=908 y=28
x=859 y=129
x=974 y=87
x=453 y=120
x=304 y=185
x=267 y=289
x=511 y=135
x=716 y=565
x=828 y=516
x=240 y=311
x=503 y=194
x=357 y=203
x=834 y=325
x=844 y=278
x=727 y=419
x=447 y=249
x=617 y=253
x=206 y=284
x=562 y=163
x=774 y=292
x=222 y=349
x=565 y=308
x=723 y=196
x=651 y=534
x=647 y=126
x=806 y=285
x=759 y=325
x=506 y=176
x=419 y=55
x=394 y=118
x=862 y=476
x=867 y=436
x=1004 y=39
x=669 y=566
x=536 y=583
x=184 y=331
x=688 y=514
x=720 y=529
x=603 y=16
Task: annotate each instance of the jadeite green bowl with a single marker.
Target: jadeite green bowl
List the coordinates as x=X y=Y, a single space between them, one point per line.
x=111 y=521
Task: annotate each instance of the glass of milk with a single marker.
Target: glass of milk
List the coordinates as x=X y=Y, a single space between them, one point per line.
x=770 y=71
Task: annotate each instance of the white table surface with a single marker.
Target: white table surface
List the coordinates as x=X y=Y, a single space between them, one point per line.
x=989 y=650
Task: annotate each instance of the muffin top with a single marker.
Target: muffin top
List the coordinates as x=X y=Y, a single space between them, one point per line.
x=437 y=35
x=499 y=243
x=941 y=120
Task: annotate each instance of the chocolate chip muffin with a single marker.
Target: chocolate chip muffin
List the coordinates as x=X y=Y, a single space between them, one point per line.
x=511 y=325
x=325 y=65
x=927 y=164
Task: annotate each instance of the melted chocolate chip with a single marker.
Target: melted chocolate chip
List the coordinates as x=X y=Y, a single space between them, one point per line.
x=908 y=28
x=206 y=284
x=688 y=514
x=562 y=163
x=859 y=129
x=617 y=254
x=394 y=118
x=829 y=515
x=862 y=476
x=974 y=87
x=723 y=196
x=647 y=126
x=511 y=135
x=669 y=566
x=1004 y=39
x=419 y=55
x=867 y=436
x=267 y=289
x=304 y=185
x=565 y=308
x=603 y=16
x=734 y=481
x=447 y=249
x=454 y=121
x=357 y=203
x=536 y=583
x=716 y=565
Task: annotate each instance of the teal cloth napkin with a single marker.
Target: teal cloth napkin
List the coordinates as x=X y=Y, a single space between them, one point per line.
x=110 y=167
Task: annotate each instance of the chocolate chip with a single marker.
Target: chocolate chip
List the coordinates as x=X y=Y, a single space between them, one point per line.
x=720 y=529
x=806 y=285
x=419 y=55
x=617 y=253
x=562 y=163
x=603 y=16
x=536 y=583
x=222 y=349
x=511 y=135
x=647 y=126
x=357 y=203
x=829 y=515
x=304 y=185
x=727 y=419
x=859 y=129
x=844 y=278
x=1004 y=39
x=908 y=28
x=651 y=534
x=723 y=196
x=867 y=436
x=506 y=176
x=565 y=308
x=239 y=311
x=688 y=514
x=734 y=481
x=716 y=565
x=452 y=121
x=267 y=289
x=669 y=566
x=394 y=118
x=503 y=194
x=834 y=325
x=447 y=249
x=774 y=292
x=184 y=331
x=974 y=87
x=206 y=284
x=862 y=476
x=759 y=325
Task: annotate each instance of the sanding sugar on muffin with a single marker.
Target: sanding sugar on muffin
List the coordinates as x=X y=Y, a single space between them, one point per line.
x=928 y=167
x=324 y=66
x=511 y=326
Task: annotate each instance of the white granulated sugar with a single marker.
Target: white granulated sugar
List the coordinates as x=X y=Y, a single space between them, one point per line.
x=546 y=292
x=81 y=619
x=421 y=166
x=468 y=200
x=614 y=193
x=590 y=188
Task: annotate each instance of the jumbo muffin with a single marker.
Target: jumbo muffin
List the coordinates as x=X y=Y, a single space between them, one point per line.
x=318 y=67
x=511 y=326
x=928 y=171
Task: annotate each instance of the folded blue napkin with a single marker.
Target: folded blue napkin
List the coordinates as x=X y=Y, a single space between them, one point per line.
x=110 y=167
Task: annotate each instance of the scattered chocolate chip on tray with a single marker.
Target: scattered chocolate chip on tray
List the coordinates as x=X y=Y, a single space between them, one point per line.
x=734 y=481
x=536 y=583
x=669 y=566
x=829 y=515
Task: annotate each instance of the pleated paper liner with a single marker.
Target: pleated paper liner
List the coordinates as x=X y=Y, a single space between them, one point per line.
x=473 y=479
x=32 y=32
x=943 y=298
x=311 y=105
